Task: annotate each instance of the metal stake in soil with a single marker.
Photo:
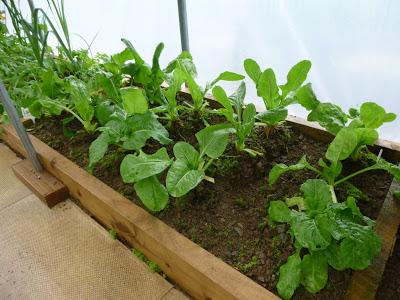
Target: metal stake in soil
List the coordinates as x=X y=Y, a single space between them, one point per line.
x=183 y=25
x=13 y=115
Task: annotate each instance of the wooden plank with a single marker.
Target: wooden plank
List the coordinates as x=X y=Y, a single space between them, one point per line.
x=364 y=284
x=198 y=272
x=45 y=186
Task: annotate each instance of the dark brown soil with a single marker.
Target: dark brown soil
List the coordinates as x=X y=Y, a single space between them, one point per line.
x=229 y=218
x=389 y=288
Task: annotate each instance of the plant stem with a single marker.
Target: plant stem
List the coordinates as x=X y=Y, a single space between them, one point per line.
x=354 y=174
x=208 y=164
x=334 y=199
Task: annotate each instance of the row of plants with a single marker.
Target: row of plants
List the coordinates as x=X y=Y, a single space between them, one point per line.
x=126 y=102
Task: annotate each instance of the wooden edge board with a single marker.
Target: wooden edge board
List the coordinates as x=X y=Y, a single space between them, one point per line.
x=44 y=185
x=364 y=284
x=198 y=272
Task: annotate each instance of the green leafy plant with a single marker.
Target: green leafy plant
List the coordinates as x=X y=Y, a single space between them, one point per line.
x=182 y=70
x=142 y=169
x=325 y=233
x=276 y=98
x=333 y=119
x=240 y=116
x=189 y=167
x=127 y=132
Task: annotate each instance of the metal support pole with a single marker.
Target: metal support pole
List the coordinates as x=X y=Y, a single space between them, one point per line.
x=183 y=25
x=13 y=115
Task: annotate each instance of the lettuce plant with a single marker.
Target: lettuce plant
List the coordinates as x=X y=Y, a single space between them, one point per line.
x=276 y=98
x=240 y=116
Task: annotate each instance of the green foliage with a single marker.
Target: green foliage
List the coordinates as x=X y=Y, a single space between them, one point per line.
x=277 y=98
x=240 y=116
x=330 y=233
x=130 y=133
x=113 y=233
x=189 y=167
x=151 y=264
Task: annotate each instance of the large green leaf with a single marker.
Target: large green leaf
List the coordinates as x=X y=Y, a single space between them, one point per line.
x=221 y=97
x=348 y=140
x=329 y=116
x=142 y=127
x=134 y=101
x=123 y=56
x=355 y=252
x=152 y=193
x=314 y=271
x=279 y=169
x=289 y=276
x=296 y=76
x=305 y=97
x=226 y=76
x=181 y=179
x=311 y=233
x=317 y=194
x=81 y=99
x=267 y=88
x=278 y=211
x=252 y=69
x=237 y=98
x=273 y=116
x=213 y=139
x=373 y=115
x=105 y=111
x=248 y=119
x=135 y=168
x=97 y=149
x=136 y=56
x=187 y=153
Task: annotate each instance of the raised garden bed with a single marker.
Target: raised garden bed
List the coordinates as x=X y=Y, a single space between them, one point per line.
x=232 y=202
x=229 y=219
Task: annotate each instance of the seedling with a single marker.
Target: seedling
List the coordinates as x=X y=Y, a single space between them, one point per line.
x=240 y=116
x=276 y=98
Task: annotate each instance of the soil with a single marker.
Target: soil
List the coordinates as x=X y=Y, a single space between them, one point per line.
x=229 y=218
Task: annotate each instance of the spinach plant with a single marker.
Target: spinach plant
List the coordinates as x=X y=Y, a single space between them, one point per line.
x=185 y=173
x=143 y=170
x=331 y=117
x=189 y=167
x=240 y=116
x=276 y=98
x=184 y=69
x=333 y=233
x=347 y=142
x=325 y=233
x=129 y=132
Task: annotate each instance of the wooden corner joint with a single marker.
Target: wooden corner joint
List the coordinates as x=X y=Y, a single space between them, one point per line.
x=44 y=185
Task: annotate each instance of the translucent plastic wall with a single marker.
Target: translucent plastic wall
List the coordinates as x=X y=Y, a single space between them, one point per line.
x=354 y=45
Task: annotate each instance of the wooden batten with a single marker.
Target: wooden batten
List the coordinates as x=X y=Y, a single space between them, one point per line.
x=44 y=185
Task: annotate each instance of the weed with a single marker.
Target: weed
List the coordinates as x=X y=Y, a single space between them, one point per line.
x=151 y=264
